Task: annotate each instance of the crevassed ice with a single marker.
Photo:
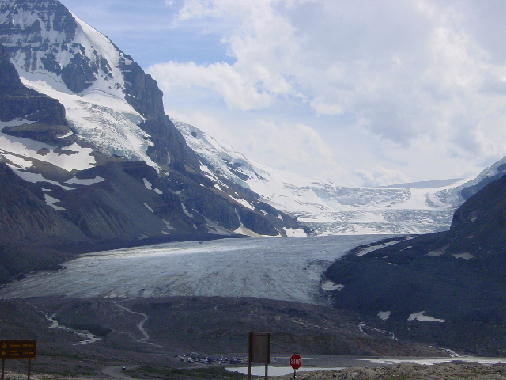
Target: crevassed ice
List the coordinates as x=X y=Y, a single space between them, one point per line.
x=108 y=122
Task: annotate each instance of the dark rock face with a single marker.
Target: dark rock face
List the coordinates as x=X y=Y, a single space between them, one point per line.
x=455 y=276
x=79 y=74
x=141 y=89
x=169 y=149
x=479 y=225
x=29 y=228
x=24 y=216
x=143 y=94
x=18 y=101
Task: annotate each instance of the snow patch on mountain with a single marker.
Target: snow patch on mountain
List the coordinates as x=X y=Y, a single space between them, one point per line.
x=243 y=202
x=21 y=152
x=51 y=202
x=364 y=251
x=149 y=186
x=85 y=182
x=421 y=317
x=37 y=177
x=384 y=315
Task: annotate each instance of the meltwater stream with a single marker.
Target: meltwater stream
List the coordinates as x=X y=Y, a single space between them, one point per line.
x=277 y=268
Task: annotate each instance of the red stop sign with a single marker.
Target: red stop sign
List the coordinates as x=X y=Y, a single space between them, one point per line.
x=295 y=361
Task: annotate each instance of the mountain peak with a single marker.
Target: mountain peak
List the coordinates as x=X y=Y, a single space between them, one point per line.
x=113 y=104
x=47 y=37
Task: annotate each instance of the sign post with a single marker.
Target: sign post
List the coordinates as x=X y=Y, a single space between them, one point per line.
x=18 y=349
x=296 y=363
x=259 y=350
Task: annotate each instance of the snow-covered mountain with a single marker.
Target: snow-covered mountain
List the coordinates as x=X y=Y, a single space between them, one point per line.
x=107 y=98
x=326 y=207
x=88 y=157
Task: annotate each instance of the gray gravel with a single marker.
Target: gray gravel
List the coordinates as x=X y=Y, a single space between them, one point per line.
x=445 y=371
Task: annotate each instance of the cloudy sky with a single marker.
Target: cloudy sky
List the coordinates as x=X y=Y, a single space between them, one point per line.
x=360 y=92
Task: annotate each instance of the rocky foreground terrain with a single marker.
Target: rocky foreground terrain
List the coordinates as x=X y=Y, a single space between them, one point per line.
x=468 y=371
x=83 y=337
x=446 y=371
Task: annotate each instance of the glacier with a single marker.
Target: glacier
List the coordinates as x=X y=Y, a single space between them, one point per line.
x=275 y=268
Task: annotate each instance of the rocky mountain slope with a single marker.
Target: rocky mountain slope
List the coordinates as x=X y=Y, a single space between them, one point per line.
x=447 y=288
x=88 y=158
x=326 y=207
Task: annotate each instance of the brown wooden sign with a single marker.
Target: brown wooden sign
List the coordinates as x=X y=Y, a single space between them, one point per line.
x=260 y=347
x=259 y=350
x=18 y=349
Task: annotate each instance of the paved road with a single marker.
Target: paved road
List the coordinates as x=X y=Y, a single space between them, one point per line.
x=116 y=372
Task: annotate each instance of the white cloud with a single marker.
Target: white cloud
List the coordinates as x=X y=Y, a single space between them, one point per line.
x=323 y=107
x=237 y=90
x=408 y=72
x=285 y=146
